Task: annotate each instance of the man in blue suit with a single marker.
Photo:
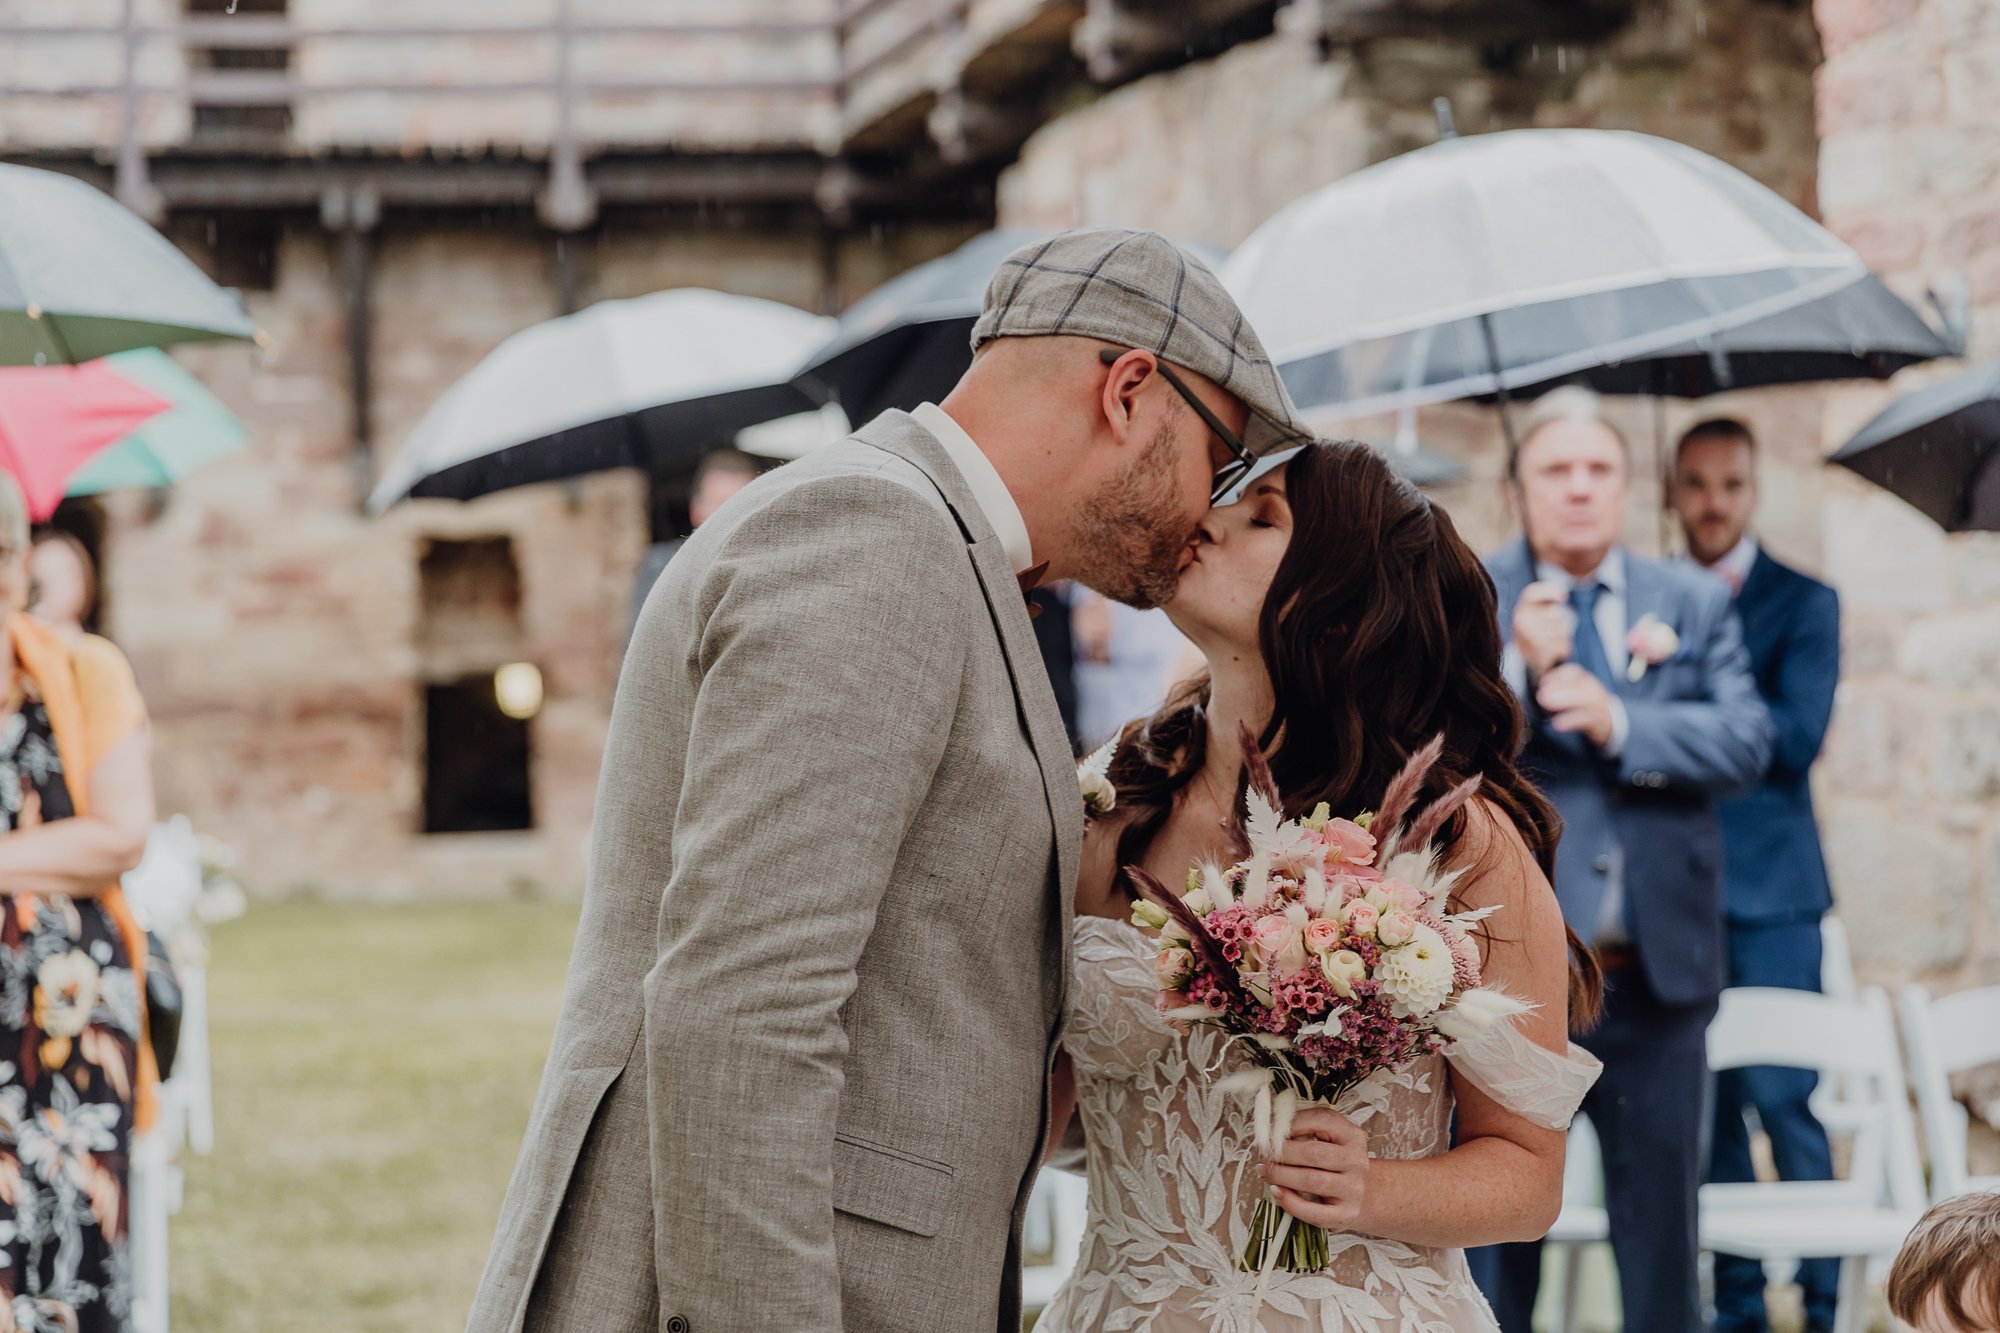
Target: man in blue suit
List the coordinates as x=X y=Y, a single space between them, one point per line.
x=1774 y=885
x=1641 y=711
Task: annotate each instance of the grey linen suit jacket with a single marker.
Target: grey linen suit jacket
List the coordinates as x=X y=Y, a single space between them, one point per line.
x=799 y=1082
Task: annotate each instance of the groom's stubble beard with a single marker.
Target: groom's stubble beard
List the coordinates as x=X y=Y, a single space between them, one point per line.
x=1132 y=532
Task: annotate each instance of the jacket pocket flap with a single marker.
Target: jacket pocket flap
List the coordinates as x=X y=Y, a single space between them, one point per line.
x=889 y=1186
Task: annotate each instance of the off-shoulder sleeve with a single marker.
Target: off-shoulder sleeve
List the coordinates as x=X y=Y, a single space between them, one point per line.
x=112 y=705
x=1535 y=1083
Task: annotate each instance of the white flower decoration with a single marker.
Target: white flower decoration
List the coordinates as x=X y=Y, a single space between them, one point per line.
x=1417 y=975
x=1100 y=798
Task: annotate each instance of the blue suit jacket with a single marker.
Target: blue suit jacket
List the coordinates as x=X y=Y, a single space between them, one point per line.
x=1792 y=626
x=1698 y=730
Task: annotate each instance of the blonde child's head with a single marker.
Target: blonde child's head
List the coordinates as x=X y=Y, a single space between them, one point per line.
x=1947 y=1277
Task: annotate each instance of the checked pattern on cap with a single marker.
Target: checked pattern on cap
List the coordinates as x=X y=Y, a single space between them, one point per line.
x=1138 y=289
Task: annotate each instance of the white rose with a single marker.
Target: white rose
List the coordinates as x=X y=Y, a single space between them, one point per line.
x=1342 y=968
x=1099 y=796
x=1417 y=976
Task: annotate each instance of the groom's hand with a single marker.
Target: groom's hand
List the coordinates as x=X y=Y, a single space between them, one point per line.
x=1321 y=1176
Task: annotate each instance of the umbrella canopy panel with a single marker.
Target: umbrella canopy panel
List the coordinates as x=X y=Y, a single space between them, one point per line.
x=651 y=382
x=1862 y=331
x=82 y=277
x=1509 y=259
x=195 y=430
x=54 y=418
x=1939 y=449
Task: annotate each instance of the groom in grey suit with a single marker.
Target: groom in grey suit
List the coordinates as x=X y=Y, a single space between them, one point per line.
x=799 y=1079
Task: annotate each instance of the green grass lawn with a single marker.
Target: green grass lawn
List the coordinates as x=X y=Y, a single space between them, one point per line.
x=373 y=1072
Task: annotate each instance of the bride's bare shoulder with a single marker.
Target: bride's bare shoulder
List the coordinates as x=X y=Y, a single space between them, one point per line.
x=1498 y=865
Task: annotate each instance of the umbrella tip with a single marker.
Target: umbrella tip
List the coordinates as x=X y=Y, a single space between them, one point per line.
x=1447 y=127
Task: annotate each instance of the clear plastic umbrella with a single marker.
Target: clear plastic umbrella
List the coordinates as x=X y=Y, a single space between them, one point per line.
x=651 y=382
x=1489 y=264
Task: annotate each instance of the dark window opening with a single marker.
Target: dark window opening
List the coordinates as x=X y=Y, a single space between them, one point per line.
x=477 y=760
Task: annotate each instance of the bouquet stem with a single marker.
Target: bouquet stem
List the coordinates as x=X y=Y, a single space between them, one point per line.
x=1299 y=1248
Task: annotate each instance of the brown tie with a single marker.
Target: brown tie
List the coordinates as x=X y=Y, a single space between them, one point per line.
x=1030 y=579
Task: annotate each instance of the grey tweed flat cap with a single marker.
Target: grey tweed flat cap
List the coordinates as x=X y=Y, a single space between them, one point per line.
x=1139 y=289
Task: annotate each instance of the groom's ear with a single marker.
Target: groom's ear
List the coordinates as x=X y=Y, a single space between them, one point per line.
x=1123 y=381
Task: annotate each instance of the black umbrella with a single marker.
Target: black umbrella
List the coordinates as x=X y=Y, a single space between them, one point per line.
x=909 y=340
x=1862 y=331
x=1939 y=449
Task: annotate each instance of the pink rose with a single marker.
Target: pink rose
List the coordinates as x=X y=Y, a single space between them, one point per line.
x=1347 y=842
x=1172 y=968
x=1361 y=918
x=1396 y=928
x=1406 y=895
x=1464 y=961
x=1273 y=935
x=1323 y=935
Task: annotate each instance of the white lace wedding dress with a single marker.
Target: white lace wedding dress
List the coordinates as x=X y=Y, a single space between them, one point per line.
x=1173 y=1175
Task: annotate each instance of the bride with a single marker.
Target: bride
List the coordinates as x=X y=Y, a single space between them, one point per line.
x=1346 y=623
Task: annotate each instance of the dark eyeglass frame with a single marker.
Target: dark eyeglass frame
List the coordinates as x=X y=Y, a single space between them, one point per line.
x=1232 y=473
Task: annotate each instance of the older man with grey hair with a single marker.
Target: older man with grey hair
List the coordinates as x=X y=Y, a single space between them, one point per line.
x=800 y=1078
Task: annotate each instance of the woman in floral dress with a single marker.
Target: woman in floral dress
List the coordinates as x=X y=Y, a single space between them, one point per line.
x=75 y=1070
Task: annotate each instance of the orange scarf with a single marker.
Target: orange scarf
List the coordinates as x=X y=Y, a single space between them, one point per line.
x=93 y=704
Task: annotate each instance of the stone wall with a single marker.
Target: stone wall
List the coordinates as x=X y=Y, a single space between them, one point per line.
x=1910 y=176
x=275 y=629
x=1894 y=145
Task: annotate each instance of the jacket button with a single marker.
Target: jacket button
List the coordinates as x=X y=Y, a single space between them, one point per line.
x=1602 y=865
x=676 y=1324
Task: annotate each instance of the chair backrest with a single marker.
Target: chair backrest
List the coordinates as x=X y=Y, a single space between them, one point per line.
x=1057 y=1213
x=1583 y=1164
x=1836 y=959
x=1942 y=1037
x=1854 y=1039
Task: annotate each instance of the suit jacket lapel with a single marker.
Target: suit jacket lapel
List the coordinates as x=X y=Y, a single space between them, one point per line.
x=1645 y=594
x=1513 y=569
x=896 y=433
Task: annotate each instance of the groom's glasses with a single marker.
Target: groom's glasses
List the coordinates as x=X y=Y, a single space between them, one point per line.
x=1241 y=459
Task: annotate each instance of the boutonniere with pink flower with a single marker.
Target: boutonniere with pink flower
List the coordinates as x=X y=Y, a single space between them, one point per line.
x=1651 y=642
x=1093 y=778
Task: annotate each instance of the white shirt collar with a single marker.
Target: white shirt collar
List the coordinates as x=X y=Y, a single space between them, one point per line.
x=983 y=480
x=1610 y=572
x=1735 y=565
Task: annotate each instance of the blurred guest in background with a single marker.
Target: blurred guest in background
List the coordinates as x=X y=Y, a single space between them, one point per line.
x=719 y=475
x=1640 y=712
x=62 y=584
x=1049 y=605
x=76 y=803
x=1775 y=885
x=1125 y=663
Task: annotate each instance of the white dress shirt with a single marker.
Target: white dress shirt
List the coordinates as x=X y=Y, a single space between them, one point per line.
x=983 y=480
x=1734 y=567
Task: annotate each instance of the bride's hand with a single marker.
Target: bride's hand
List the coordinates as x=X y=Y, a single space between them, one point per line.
x=1321 y=1176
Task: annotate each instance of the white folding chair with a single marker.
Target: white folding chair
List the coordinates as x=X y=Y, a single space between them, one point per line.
x=1943 y=1037
x=1582 y=1222
x=1053 y=1227
x=1863 y=1217
x=1836 y=960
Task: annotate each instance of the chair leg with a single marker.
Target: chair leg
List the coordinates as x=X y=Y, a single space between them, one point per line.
x=1572 y=1284
x=1852 y=1314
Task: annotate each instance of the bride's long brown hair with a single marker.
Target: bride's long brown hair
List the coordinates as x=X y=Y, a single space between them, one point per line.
x=1380 y=631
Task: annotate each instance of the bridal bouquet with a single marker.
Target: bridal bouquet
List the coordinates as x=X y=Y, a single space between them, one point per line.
x=1329 y=951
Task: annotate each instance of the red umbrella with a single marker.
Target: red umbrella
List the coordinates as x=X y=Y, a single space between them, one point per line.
x=54 y=418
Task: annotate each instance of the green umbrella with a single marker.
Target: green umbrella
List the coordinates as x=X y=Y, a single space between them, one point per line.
x=81 y=277
x=196 y=430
